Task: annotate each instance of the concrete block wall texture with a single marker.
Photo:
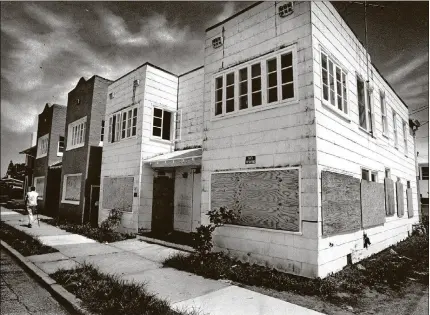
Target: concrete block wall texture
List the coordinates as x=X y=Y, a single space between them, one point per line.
x=189 y=128
x=157 y=88
x=87 y=99
x=343 y=147
x=280 y=135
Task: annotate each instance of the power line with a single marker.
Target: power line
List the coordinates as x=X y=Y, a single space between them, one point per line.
x=419 y=109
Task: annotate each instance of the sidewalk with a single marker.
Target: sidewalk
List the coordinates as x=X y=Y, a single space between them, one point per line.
x=141 y=262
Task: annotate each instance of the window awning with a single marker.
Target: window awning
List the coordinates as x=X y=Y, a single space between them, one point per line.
x=190 y=157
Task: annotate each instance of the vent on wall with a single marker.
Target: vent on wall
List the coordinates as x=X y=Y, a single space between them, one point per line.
x=110 y=95
x=285 y=9
x=136 y=83
x=217 y=42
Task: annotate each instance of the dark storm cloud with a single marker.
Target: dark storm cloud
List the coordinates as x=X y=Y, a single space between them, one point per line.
x=48 y=46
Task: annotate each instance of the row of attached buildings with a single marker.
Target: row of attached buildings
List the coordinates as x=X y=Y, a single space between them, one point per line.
x=287 y=121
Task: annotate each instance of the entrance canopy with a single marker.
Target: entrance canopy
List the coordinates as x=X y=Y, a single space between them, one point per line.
x=190 y=157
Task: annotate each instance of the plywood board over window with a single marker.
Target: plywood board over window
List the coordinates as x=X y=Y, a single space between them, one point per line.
x=372 y=204
x=409 y=200
x=266 y=198
x=400 y=200
x=118 y=193
x=341 y=211
x=389 y=197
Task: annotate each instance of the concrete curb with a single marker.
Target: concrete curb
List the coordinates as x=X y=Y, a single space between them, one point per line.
x=67 y=299
x=165 y=243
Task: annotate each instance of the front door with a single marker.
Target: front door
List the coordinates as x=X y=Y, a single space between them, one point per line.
x=163 y=203
x=94 y=205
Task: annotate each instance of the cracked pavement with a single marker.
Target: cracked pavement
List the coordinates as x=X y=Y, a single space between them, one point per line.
x=21 y=294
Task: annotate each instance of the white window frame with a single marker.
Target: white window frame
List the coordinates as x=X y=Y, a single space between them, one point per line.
x=405 y=137
x=129 y=125
x=396 y=136
x=63 y=196
x=344 y=112
x=41 y=194
x=42 y=146
x=384 y=118
x=172 y=124
x=264 y=84
x=368 y=107
x=58 y=146
x=76 y=133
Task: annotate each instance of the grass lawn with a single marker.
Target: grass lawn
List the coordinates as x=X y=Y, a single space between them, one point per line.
x=105 y=294
x=86 y=230
x=396 y=278
x=22 y=242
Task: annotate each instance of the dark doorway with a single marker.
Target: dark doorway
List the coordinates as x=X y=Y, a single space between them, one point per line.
x=53 y=183
x=94 y=205
x=163 y=203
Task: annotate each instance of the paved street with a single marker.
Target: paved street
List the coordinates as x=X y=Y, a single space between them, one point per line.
x=21 y=294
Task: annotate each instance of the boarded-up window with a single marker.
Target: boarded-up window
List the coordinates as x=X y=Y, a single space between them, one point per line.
x=266 y=199
x=400 y=199
x=372 y=204
x=72 y=187
x=118 y=193
x=389 y=197
x=341 y=211
x=409 y=200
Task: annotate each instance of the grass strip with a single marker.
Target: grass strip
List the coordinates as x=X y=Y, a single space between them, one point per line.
x=87 y=230
x=25 y=244
x=107 y=294
x=387 y=270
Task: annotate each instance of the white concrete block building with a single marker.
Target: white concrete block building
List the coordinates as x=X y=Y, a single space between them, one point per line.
x=287 y=98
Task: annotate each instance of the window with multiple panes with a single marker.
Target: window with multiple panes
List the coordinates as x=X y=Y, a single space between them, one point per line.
x=334 y=90
x=61 y=145
x=267 y=81
x=395 y=129
x=122 y=125
x=76 y=133
x=161 y=125
x=361 y=103
x=383 y=113
x=42 y=146
x=405 y=136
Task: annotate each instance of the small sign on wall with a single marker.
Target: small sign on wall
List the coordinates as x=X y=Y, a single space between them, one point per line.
x=250 y=159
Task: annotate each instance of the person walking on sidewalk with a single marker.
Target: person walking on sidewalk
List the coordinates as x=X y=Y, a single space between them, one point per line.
x=31 y=203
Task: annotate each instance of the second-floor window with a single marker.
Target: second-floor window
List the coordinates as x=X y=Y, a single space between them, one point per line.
x=102 y=131
x=333 y=84
x=265 y=81
x=42 y=146
x=61 y=145
x=383 y=113
x=361 y=104
x=161 y=124
x=122 y=125
x=76 y=133
x=405 y=136
x=396 y=140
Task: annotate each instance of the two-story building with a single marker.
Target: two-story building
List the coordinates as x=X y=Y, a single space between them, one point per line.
x=50 y=148
x=81 y=163
x=298 y=123
x=300 y=134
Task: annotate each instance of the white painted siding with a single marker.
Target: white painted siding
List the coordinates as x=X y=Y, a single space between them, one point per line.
x=344 y=147
x=190 y=108
x=278 y=135
x=124 y=158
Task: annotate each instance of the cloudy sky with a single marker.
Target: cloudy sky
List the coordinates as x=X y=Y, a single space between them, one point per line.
x=47 y=46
